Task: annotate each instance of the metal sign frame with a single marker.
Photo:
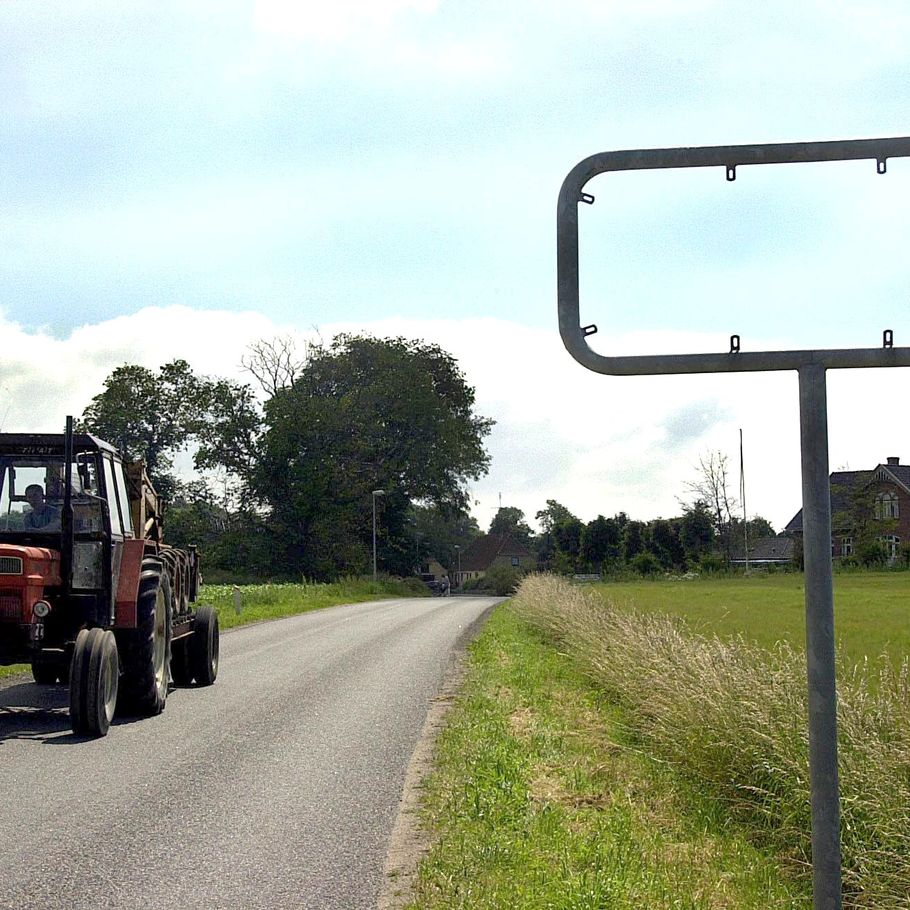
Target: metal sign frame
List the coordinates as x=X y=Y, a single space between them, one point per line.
x=811 y=366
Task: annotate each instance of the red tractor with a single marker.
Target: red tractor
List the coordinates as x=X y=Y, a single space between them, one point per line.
x=89 y=593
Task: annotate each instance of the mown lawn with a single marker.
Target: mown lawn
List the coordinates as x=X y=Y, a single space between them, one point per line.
x=544 y=800
x=871 y=609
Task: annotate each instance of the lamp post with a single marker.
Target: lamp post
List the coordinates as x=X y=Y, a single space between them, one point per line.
x=458 y=551
x=375 y=494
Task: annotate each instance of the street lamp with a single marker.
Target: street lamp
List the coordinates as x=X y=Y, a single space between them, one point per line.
x=375 y=494
x=458 y=551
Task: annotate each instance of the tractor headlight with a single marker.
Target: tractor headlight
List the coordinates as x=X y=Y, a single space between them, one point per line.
x=41 y=609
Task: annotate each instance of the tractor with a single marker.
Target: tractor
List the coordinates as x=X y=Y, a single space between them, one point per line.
x=90 y=595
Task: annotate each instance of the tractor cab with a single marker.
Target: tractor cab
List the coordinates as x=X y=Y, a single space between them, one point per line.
x=63 y=520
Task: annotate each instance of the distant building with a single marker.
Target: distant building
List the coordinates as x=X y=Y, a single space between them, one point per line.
x=764 y=552
x=868 y=498
x=434 y=568
x=490 y=550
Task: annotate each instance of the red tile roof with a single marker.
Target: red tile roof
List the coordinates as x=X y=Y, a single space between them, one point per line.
x=482 y=551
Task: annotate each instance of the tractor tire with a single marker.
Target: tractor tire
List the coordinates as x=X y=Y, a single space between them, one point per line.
x=146 y=651
x=94 y=678
x=203 y=646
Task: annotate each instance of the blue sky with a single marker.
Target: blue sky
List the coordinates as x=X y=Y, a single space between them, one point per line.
x=264 y=167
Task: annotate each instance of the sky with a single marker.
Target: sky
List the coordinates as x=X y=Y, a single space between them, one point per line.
x=184 y=179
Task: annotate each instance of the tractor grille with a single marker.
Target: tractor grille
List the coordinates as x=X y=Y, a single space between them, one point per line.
x=10 y=565
x=10 y=606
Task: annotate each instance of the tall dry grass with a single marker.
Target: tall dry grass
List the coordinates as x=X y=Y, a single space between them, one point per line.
x=734 y=716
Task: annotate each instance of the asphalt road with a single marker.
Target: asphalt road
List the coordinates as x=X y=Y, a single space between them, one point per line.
x=275 y=788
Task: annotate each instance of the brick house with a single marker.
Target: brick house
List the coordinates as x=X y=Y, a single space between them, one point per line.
x=490 y=550
x=881 y=495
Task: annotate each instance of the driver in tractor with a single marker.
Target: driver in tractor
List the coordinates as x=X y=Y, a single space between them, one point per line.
x=42 y=515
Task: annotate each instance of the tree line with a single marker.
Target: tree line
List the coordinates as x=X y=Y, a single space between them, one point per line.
x=291 y=465
x=695 y=540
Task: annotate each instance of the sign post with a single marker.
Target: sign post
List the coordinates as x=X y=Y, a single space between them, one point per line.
x=811 y=367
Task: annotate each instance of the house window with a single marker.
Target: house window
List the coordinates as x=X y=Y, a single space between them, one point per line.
x=846 y=546
x=892 y=544
x=514 y=560
x=886 y=506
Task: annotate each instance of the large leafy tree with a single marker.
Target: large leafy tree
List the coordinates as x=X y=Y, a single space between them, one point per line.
x=152 y=415
x=366 y=414
x=148 y=415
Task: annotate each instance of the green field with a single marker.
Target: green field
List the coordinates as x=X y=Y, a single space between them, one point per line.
x=871 y=609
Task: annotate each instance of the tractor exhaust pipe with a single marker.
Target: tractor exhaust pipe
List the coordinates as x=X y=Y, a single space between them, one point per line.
x=66 y=519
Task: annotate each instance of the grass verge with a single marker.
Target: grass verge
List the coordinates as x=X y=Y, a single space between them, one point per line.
x=544 y=798
x=272 y=601
x=731 y=716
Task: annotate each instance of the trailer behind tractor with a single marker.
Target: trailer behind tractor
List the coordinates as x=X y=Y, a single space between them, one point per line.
x=90 y=595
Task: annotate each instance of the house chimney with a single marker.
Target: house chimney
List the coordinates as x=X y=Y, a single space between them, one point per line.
x=894 y=459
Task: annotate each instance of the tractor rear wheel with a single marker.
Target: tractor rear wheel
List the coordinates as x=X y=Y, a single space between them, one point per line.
x=94 y=677
x=203 y=647
x=147 y=649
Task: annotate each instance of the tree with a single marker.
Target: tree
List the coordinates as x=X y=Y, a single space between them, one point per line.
x=633 y=540
x=228 y=434
x=567 y=536
x=713 y=487
x=553 y=514
x=511 y=521
x=273 y=363
x=665 y=543
x=149 y=416
x=645 y=563
x=364 y=414
x=600 y=542
x=696 y=531
x=859 y=517
x=502 y=580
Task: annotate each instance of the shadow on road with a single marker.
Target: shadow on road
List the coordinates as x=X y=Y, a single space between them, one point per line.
x=30 y=711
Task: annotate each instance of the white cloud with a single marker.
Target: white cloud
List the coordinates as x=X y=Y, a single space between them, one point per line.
x=597 y=444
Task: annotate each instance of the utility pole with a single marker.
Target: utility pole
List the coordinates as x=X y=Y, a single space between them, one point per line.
x=375 y=494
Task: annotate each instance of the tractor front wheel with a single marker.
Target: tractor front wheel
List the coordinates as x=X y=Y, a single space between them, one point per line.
x=147 y=649
x=94 y=677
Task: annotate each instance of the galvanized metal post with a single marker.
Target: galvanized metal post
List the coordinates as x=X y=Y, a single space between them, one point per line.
x=819 y=581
